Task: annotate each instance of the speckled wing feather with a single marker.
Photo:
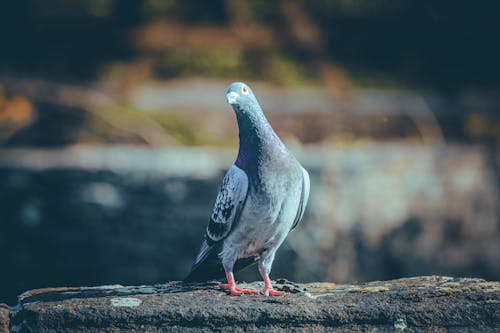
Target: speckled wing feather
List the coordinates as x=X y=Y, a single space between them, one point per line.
x=304 y=197
x=227 y=210
x=228 y=205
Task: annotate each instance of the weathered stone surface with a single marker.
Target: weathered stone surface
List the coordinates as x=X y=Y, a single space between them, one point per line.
x=414 y=305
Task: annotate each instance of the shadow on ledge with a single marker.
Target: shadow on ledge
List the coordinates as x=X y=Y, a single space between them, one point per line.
x=413 y=304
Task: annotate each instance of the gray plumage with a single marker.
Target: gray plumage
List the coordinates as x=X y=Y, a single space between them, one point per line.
x=262 y=197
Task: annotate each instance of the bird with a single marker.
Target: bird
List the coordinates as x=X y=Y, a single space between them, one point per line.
x=262 y=198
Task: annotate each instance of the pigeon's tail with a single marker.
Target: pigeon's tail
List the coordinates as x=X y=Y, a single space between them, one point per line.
x=208 y=265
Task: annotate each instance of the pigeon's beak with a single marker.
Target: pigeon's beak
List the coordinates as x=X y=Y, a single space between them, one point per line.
x=232 y=97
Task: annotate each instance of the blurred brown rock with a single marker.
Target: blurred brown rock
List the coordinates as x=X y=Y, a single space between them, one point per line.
x=16 y=112
x=4 y=318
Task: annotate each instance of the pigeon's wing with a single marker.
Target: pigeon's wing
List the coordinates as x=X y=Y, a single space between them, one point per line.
x=228 y=205
x=304 y=197
x=226 y=213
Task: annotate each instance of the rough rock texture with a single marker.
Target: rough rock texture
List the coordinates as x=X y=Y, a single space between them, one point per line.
x=413 y=305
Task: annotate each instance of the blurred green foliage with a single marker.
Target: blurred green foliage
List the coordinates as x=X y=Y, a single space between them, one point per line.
x=288 y=71
x=189 y=133
x=483 y=127
x=216 y=62
x=135 y=126
x=212 y=62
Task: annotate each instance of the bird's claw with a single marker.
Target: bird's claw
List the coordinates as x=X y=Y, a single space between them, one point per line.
x=235 y=291
x=273 y=292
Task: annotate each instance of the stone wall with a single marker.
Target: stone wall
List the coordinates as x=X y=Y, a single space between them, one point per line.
x=424 y=304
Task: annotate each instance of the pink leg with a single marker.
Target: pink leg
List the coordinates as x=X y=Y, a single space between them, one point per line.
x=233 y=288
x=268 y=289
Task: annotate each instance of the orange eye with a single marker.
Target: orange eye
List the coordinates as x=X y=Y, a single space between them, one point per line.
x=244 y=90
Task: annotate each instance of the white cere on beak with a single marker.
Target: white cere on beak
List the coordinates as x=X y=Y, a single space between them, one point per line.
x=232 y=97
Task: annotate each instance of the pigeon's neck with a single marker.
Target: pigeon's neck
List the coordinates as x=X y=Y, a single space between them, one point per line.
x=257 y=139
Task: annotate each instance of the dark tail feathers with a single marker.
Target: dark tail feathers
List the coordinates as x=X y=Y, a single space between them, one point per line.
x=211 y=268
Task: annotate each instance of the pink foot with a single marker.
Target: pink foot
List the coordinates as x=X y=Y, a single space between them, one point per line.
x=236 y=291
x=273 y=292
x=268 y=289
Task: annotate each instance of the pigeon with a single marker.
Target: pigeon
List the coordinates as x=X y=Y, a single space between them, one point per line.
x=262 y=198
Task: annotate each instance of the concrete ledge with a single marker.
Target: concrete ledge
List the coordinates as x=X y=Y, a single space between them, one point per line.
x=414 y=304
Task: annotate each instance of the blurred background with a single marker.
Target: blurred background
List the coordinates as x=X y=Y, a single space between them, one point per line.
x=115 y=135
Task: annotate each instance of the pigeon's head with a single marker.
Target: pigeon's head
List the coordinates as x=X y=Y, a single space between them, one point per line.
x=240 y=96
